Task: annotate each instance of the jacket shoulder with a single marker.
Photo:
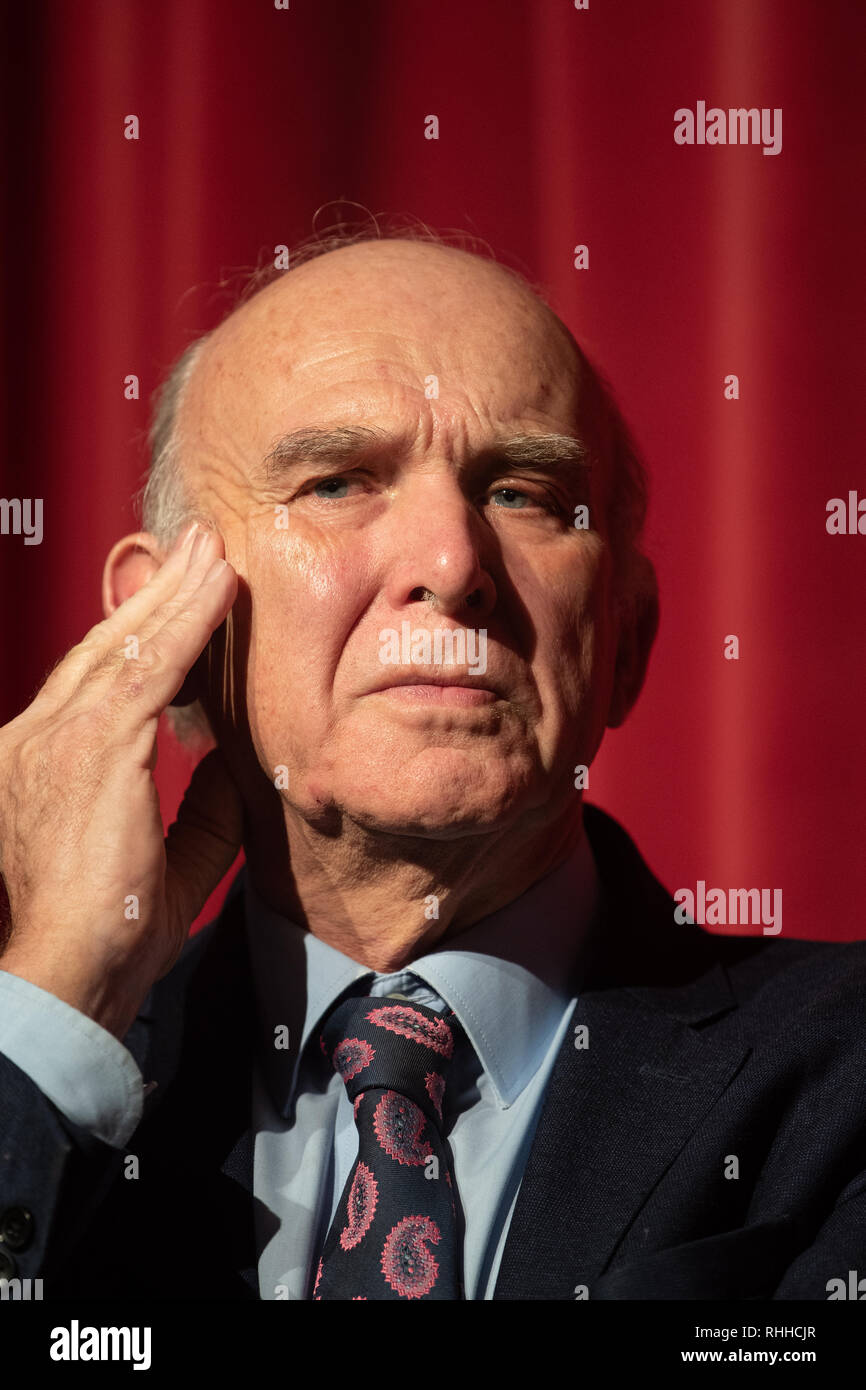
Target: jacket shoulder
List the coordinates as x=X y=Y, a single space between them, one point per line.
x=651 y=949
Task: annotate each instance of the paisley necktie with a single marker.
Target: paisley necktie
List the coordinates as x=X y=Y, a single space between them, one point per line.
x=394 y=1233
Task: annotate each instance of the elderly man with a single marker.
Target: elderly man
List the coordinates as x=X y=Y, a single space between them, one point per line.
x=446 y=1039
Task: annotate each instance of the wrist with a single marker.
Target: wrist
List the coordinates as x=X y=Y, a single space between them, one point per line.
x=111 y=1003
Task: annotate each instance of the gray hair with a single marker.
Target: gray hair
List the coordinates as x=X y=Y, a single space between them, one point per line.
x=165 y=503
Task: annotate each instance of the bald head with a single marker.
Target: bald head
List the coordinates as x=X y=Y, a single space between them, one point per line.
x=351 y=288
x=366 y=329
x=449 y=305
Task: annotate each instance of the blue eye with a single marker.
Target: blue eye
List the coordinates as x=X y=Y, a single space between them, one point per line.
x=512 y=494
x=331 y=485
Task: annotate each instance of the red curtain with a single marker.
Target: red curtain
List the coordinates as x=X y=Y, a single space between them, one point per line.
x=556 y=128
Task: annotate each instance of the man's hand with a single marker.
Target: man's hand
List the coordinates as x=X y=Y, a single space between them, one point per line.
x=100 y=903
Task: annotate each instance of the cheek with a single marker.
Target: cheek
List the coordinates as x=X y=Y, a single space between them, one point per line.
x=306 y=596
x=573 y=655
x=299 y=573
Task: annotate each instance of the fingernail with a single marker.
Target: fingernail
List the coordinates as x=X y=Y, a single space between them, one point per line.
x=215 y=570
x=185 y=537
x=198 y=545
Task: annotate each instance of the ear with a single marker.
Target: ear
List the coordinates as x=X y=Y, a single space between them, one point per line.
x=131 y=562
x=639 y=621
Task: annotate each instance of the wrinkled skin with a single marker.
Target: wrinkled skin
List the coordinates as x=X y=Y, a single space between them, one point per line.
x=393 y=797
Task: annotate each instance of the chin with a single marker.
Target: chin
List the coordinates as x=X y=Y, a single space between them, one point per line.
x=443 y=812
x=438 y=792
x=424 y=824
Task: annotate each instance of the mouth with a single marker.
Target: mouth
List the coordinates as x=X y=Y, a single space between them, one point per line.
x=438 y=689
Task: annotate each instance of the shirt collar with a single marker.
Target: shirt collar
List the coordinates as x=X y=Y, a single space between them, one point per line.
x=508 y=978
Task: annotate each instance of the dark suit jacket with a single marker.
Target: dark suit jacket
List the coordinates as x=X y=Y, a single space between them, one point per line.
x=707 y=1056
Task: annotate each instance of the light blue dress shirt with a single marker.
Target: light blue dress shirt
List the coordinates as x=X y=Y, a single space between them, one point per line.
x=510 y=981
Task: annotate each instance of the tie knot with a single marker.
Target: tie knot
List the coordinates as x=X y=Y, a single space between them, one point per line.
x=381 y=1043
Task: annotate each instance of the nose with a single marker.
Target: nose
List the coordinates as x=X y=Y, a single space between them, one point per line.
x=440 y=549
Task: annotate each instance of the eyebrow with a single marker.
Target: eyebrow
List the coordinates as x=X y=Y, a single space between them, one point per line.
x=315 y=445
x=346 y=444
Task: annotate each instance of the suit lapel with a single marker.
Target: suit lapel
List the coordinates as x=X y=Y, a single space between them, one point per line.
x=619 y=1108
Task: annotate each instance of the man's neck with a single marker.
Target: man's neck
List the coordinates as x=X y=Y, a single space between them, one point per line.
x=384 y=900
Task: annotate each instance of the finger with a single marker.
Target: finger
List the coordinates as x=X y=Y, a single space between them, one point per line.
x=207 y=547
x=92 y=671
x=136 y=690
x=163 y=586
x=103 y=637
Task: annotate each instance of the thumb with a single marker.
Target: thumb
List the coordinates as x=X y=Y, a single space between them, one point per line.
x=202 y=844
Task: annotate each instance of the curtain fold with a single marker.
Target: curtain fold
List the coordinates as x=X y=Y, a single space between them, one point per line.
x=556 y=129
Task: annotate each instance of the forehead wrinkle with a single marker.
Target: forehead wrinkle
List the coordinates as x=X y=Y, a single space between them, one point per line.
x=343 y=444
x=334 y=303
x=241 y=343
x=215 y=468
